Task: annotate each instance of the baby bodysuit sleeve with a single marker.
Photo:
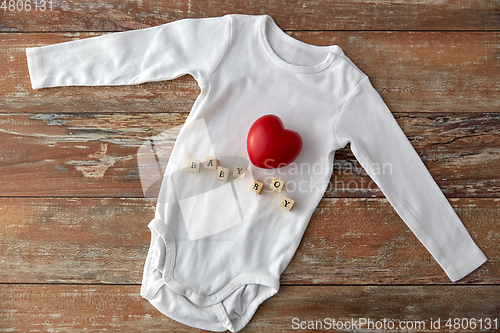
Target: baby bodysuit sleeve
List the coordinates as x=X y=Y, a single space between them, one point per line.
x=383 y=150
x=188 y=46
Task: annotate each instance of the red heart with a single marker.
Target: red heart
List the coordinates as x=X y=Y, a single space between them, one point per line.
x=270 y=145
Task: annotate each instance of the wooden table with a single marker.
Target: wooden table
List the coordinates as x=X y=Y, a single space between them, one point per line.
x=73 y=216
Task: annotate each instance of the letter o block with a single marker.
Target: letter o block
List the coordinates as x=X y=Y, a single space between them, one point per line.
x=277 y=185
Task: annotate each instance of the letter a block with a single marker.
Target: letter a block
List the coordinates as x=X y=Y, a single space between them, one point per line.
x=193 y=165
x=210 y=163
x=277 y=185
x=239 y=171
x=223 y=173
x=256 y=186
x=287 y=203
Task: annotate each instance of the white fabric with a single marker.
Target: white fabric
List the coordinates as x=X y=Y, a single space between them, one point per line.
x=217 y=249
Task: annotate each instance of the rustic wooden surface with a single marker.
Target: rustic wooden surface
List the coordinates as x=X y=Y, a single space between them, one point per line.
x=98 y=308
x=348 y=241
x=414 y=71
x=117 y=15
x=73 y=214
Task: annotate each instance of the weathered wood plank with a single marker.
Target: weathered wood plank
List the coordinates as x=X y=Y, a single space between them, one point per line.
x=92 y=15
x=443 y=88
x=448 y=145
x=63 y=308
x=413 y=71
x=348 y=241
x=16 y=94
x=96 y=154
x=89 y=154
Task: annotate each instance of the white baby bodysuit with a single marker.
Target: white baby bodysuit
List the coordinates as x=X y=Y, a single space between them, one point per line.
x=218 y=249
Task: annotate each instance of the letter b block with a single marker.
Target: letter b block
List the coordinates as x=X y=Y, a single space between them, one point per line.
x=193 y=165
x=223 y=173
x=256 y=186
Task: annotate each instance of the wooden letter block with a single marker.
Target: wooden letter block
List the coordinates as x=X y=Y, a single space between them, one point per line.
x=287 y=203
x=277 y=185
x=223 y=173
x=210 y=163
x=239 y=171
x=193 y=165
x=256 y=186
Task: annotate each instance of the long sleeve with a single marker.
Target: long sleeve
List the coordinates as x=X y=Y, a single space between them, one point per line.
x=189 y=46
x=381 y=147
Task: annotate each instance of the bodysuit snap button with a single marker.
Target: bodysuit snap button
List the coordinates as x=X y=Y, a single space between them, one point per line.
x=213 y=298
x=168 y=278
x=188 y=293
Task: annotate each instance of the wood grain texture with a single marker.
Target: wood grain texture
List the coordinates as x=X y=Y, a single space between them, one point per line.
x=413 y=71
x=118 y=15
x=75 y=308
x=96 y=154
x=73 y=216
x=348 y=241
x=450 y=146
